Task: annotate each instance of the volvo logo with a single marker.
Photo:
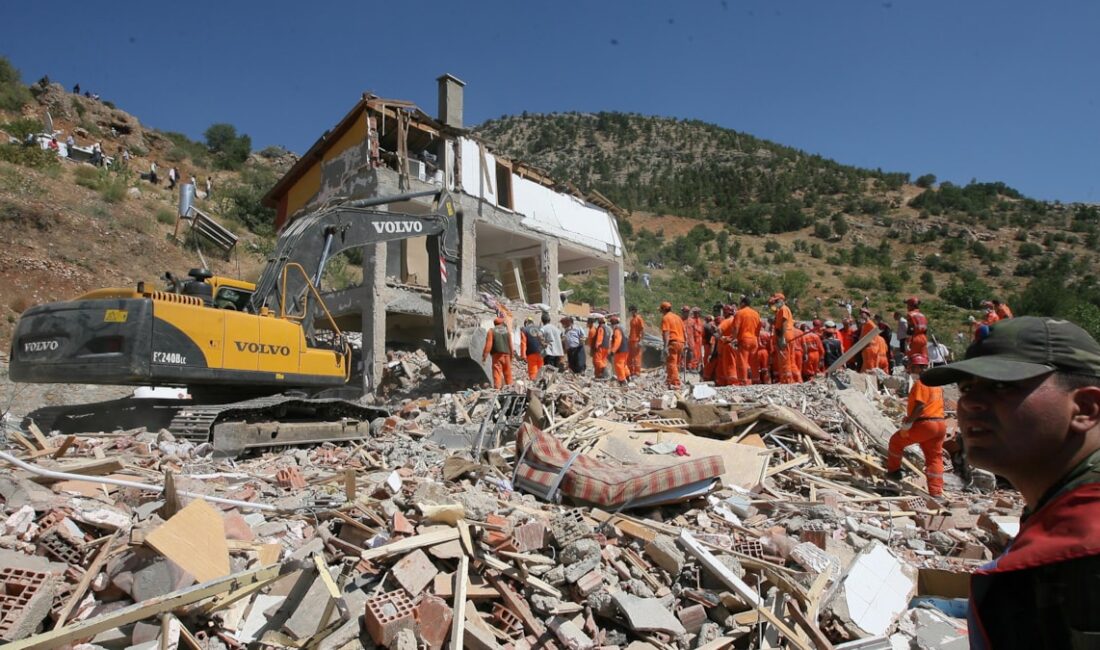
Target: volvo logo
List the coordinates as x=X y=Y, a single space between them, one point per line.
x=262 y=348
x=392 y=227
x=41 y=346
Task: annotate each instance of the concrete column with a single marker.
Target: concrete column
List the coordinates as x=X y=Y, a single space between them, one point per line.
x=373 y=314
x=551 y=295
x=616 y=290
x=467 y=234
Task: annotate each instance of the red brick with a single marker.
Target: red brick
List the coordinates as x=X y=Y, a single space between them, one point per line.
x=590 y=582
x=692 y=617
x=507 y=622
x=25 y=599
x=388 y=613
x=290 y=478
x=530 y=536
x=433 y=617
x=400 y=524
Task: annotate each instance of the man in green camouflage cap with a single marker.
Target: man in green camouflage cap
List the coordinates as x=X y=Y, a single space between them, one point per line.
x=1029 y=410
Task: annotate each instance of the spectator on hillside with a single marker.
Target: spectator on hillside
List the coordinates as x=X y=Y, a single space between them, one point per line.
x=194 y=183
x=52 y=145
x=97 y=155
x=69 y=144
x=209 y=186
x=125 y=155
x=76 y=89
x=173 y=176
x=153 y=172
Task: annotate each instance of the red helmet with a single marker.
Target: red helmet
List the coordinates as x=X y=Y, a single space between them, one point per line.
x=918 y=360
x=912 y=302
x=498 y=321
x=817 y=323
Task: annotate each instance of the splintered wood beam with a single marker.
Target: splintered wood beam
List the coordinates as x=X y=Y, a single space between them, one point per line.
x=148 y=608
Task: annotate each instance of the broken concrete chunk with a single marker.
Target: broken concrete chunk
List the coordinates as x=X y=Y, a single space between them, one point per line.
x=647 y=614
x=571 y=636
x=665 y=554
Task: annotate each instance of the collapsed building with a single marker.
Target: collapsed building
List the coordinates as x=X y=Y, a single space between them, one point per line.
x=518 y=227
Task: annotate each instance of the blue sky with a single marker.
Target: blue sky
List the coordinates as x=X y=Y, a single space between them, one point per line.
x=1004 y=90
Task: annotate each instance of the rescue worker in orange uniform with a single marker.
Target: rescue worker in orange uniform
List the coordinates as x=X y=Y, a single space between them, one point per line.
x=620 y=350
x=870 y=353
x=637 y=331
x=499 y=343
x=725 y=372
x=815 y=352
x=687 y=360
x=798 y=352
x=530 y=347
x=1001 y=310
x=844 y=334
x=761 y=368
x=746 y=327
x=672 y=334
x=696 y=322
x=784 y=334
x=591 y=340
x=924 y=425
x=601 y=348
x=991 y=315
x=918 y=329
x=882 y=354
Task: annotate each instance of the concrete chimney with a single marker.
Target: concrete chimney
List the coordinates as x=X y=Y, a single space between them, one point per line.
x=450 y=100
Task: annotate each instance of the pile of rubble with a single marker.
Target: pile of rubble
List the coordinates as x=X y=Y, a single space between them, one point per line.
x=428 y=535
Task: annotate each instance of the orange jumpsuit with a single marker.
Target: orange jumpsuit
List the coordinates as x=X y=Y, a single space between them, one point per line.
x=815 y=352
x=499 y=342
x=991 y=317
x=918 y=334
x=621 y=354
x=746 y=325
x=784 y=360
x=928 y=430
x=673 y=326
x=798 y=354
x=600 y=351
x=883 y=350
x=761 y=371
x=696 y=326
x=870 y=352
x=637 y=331
x=725 y=372
x=1003 y=311
x=534 y=359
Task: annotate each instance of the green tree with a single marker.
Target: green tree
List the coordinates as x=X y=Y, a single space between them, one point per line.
x=926 y=181
x=13 y=94
x=230 y=150
x=927 y=282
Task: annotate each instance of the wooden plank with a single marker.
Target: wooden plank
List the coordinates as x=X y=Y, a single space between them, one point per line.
x=195 y=540
x=816 y=635
x=721 y=643
x=350 y=488
x=65 y=445
x=92 y=467
x=797 y=461
x=86 y=580
x=31 y=449
x=458 y=623
x=38 y=437
x=730 y=579
x=411 y=543
x=89 y=628
x=514 y=573
x=856 y=348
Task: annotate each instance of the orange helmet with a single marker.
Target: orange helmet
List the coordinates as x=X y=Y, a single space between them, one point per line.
x=776 y=296
x=498 y=321
x=912 y=302
x=666 y=305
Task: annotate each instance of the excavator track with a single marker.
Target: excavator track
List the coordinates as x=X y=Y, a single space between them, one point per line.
x=271 y=421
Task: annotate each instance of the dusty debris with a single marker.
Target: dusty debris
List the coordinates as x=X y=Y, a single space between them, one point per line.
x=453 y=520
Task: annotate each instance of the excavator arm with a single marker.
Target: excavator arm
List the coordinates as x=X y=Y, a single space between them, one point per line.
x=313 y=240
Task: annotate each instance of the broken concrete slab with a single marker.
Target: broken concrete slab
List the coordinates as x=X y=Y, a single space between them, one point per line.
x=647 y=614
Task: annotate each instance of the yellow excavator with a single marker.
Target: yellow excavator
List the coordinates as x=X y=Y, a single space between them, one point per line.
x=255 y=358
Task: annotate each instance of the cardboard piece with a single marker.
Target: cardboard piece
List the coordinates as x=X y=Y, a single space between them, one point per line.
x=195 y=540
x=943 y=583
x=744 y=464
